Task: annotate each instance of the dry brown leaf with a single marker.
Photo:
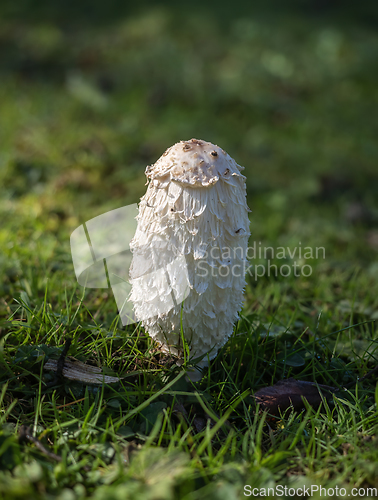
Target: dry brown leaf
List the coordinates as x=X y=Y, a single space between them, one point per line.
x=290 y=393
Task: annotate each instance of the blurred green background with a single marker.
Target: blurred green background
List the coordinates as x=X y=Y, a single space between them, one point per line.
x=92 y=92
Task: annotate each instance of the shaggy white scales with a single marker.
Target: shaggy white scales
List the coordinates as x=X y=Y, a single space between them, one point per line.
x=192 y=234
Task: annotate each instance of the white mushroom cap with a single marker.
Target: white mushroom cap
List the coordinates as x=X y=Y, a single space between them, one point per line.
x=194 y=208
x=193 y=163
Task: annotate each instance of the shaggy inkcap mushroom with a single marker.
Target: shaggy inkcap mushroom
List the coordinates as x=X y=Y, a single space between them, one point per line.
x=195 y=210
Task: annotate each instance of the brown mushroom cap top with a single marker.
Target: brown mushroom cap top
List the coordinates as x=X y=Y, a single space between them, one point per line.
x=193 y=163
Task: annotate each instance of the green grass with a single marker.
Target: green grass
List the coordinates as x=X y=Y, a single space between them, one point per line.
x=85 y=105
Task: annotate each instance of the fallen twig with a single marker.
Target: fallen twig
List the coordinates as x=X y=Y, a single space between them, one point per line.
x=366 y=376
x=26 y=435
x=60 y=365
